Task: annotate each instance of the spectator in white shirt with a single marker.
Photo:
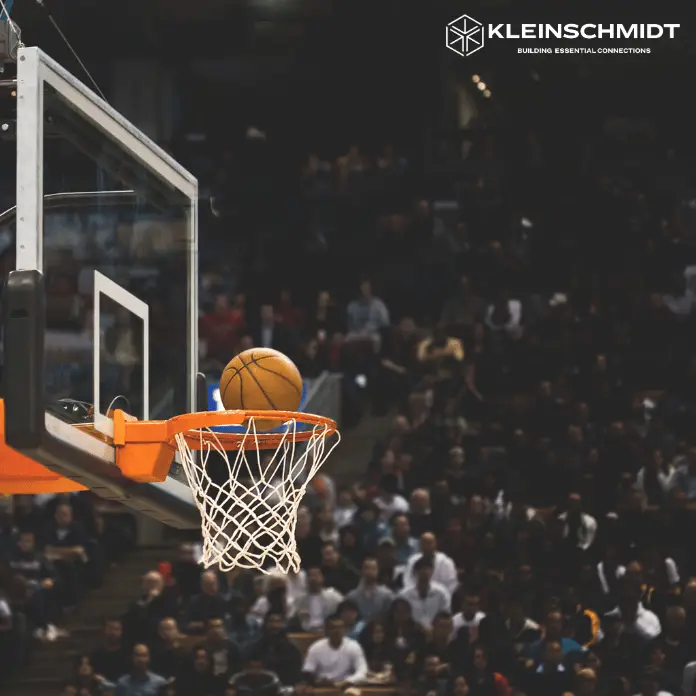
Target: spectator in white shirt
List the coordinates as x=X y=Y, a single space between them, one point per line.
x=281 y=591
x=469 y=617
x=335 y=661
x=577 y=524
x=345 y=509
x=388 y=500
x=426 y=598
x=637 y=618
x=444 y=570
x=313 y=608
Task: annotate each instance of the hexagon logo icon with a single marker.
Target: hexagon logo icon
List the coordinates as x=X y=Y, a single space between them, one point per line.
x=464 y=35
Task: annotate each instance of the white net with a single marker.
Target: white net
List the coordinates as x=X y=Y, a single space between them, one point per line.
x=249 y=497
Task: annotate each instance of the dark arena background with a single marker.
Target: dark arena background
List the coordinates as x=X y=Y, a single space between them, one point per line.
x=483 y=262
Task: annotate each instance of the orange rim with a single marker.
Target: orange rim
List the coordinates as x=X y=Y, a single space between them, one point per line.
x=194 y=427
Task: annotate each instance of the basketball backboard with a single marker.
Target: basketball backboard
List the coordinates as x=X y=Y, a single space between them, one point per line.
x=110 y=221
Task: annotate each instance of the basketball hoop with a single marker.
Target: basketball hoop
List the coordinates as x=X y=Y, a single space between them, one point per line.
x=248 y=485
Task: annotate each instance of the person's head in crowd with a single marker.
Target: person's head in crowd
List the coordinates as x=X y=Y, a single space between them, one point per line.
x=432 y=666
x=442 y=627
x=315 y=580
x=674 y=623
x=167 y=690
x=273 y=625
x=553 y=625
x=552 y=656
x=471 y=604
x=387 y=462
x=84 y=672
x=386 y=554
x=428 y=546
x=69 y=689
x=335 y=630
x=456 y=458
x=655 y=655
x=400 y=425
x=216 y=633
x=400 y=528
x=267 y=314
x=167 y=630
x=441 y=494
x=349 y=541
x=367 y=514
x=349 y=613
x=64 y=515
x=113 y=632
x=140 y=659
x=574 y=506
x=26 y=542
x=613 y=626
x=276 y=592
x=210 y=585
x=365 y=290
x=476 y=509
x=153 y=584
x=460 y=686
x=479 y=658
x=650 y=680
x=324 y=519
x=400 y=613
x=586 y=682
x=423 y=572
x=370 y=571
x=330 y=556
x=689 y=595
x=388 y=487
x=201 y=660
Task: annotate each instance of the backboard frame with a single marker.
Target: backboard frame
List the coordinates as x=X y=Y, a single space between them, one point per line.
x=53 y=443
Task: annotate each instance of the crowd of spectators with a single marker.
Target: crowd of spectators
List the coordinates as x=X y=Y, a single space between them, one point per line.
x=524 y=526
x=53 y=550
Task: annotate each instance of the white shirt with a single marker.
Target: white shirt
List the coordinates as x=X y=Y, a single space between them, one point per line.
x=646 y=623
x=444 y=571
x=5 y=611
x=316 y=617
x=460 y=621
x=345 y=663
x=586 y=532
x=601 y=574
x=425 y=609
x=343 y=516
x=389 y=508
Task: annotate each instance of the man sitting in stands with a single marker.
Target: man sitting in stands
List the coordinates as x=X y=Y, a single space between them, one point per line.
x=335 y=661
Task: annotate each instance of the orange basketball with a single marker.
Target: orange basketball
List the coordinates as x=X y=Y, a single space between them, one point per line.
x=261 y=379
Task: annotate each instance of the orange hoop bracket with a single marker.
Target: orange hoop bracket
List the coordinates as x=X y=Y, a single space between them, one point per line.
x=21 y=475
x=145 y=449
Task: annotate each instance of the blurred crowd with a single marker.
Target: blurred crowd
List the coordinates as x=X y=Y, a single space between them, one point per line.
x=524 y=526
x=53 y=551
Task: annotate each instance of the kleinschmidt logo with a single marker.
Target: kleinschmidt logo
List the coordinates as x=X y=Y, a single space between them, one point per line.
x=465 y=35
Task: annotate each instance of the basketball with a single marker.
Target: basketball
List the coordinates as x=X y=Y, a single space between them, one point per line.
x=261 y=379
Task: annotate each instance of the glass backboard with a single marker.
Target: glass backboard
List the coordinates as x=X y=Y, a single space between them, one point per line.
x=110 y=219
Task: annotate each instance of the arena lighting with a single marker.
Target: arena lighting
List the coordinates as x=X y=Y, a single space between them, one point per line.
x=487 y=93
x=481 y=86
x=5 y=127
x=13 y=94
x=475 y=79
